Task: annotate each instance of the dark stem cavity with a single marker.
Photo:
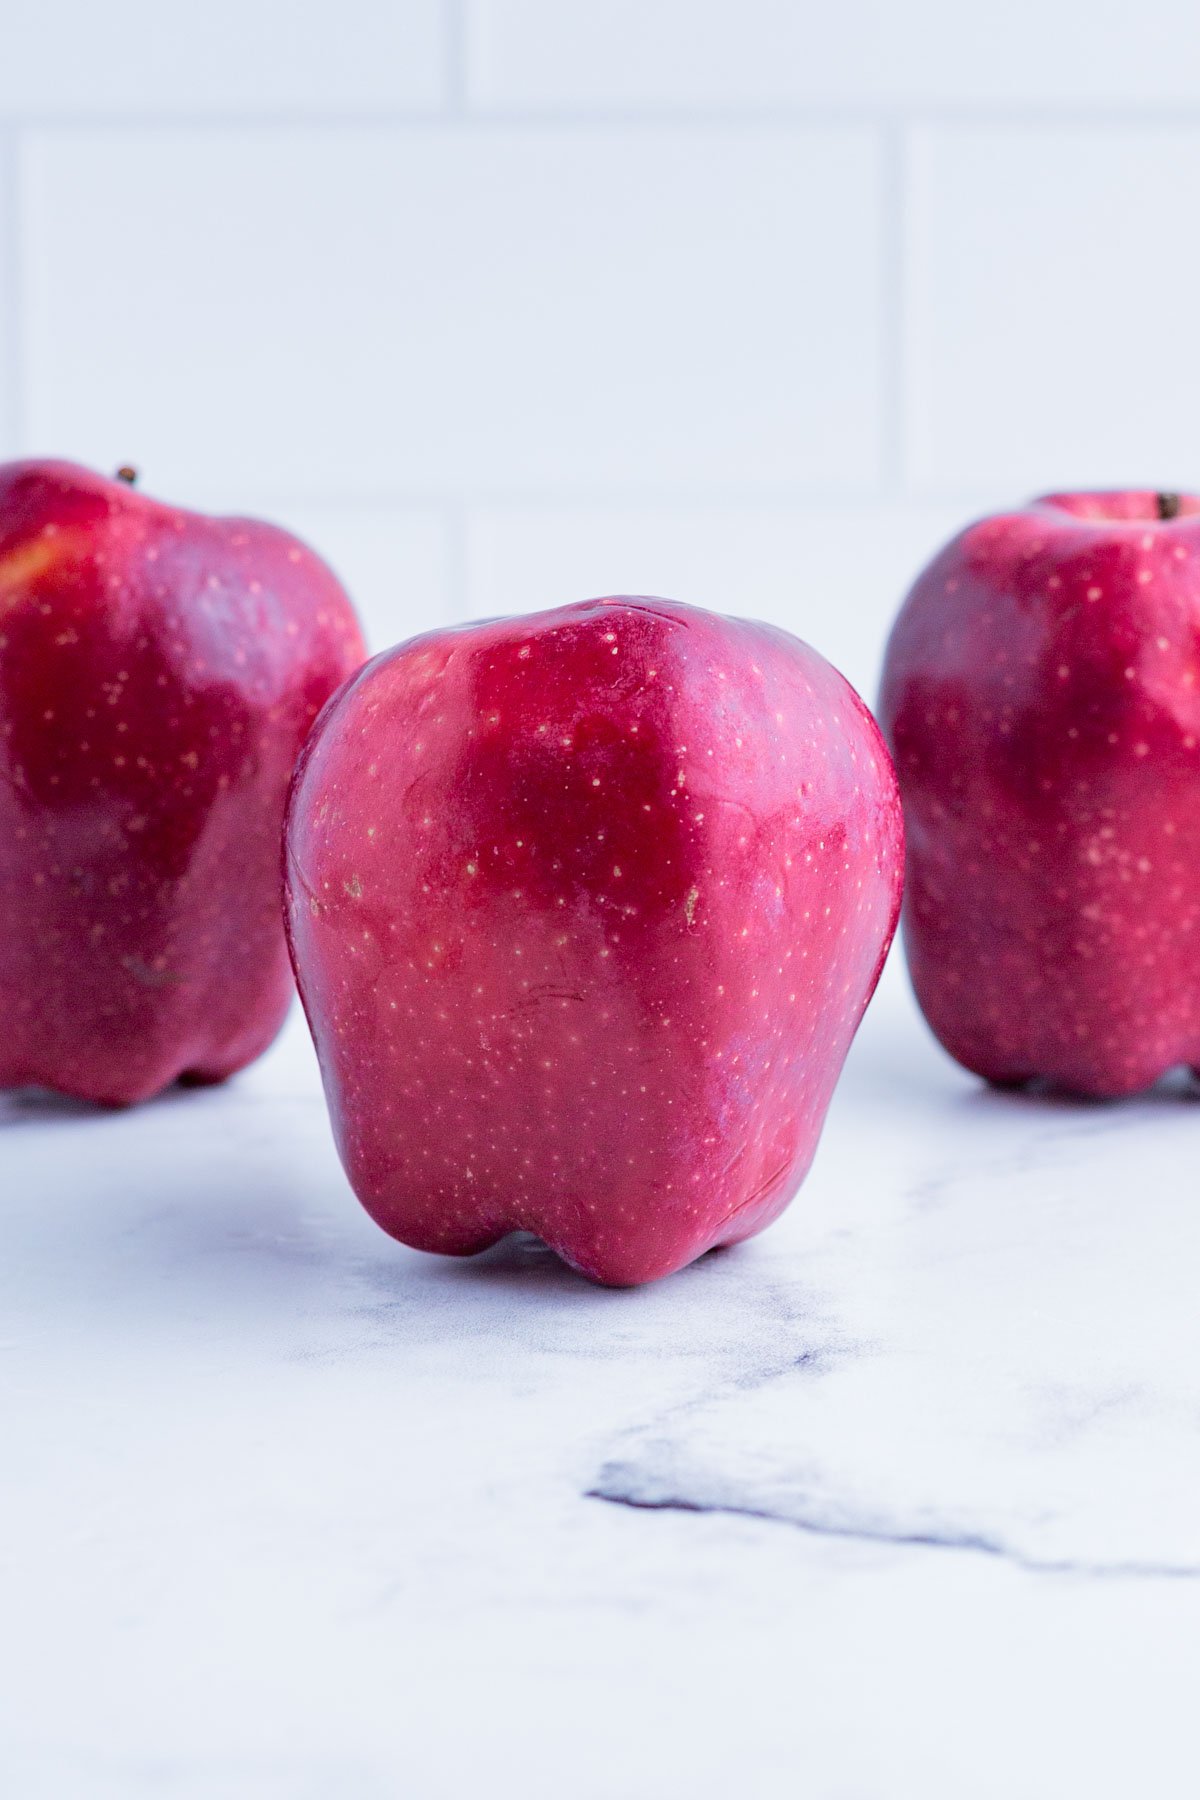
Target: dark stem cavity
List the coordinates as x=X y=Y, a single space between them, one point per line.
x=1168 y=505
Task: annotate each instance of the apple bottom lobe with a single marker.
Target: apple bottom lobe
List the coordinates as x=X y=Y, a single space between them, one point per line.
x=1086 y=1088
x=1046 y=1029
x=124 y=1067
x=601 y=1255
x=203 y=1077
x=621 y=1196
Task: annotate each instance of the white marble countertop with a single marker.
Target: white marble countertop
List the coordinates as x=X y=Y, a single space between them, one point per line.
x=902 y=1499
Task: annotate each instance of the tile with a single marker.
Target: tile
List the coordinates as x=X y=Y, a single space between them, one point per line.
x=435 y=311
x=1050 y=309
x=835 y=576
x=136 y=57
x=715 y=53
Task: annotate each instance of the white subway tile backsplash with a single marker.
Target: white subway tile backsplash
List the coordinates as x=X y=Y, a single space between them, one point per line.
x=835 y=576
x=459 y=310
x=1051 y=306
x=659 y=54
x=125 y=58
x=631 y=310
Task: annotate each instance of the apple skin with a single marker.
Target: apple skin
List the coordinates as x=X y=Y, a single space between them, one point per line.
x=1040 y=696
x=585 y=908
x=159 y=672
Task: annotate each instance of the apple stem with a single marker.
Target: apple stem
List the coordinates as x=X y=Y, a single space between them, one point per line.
x=128 y=473
x=1168 y=505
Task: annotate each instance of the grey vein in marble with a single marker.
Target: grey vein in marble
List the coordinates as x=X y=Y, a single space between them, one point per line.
x=1018 y=1361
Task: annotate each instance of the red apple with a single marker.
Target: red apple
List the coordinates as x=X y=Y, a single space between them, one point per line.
x=158 y=674
x=1041 y=699
x=585 y=908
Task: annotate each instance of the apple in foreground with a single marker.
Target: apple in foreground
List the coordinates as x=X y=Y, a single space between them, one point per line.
x=1041 y=699
x=585 y=908
x=159 y=672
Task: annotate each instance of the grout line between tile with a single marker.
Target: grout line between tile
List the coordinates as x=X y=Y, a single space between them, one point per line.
x=863 y=115
x=851 y=500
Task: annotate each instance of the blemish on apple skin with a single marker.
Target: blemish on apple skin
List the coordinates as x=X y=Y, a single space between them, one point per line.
x=689 y=905
x=353 y=887
x=150 y=974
